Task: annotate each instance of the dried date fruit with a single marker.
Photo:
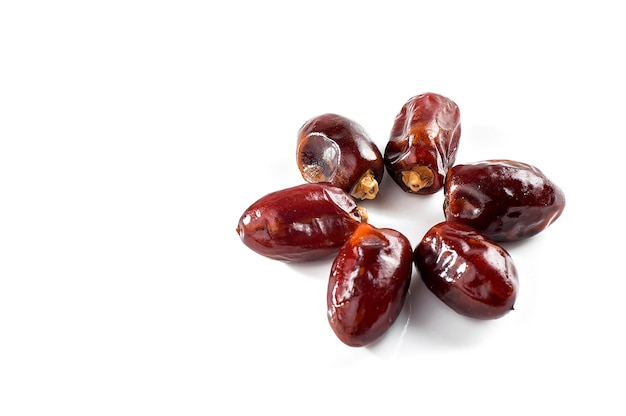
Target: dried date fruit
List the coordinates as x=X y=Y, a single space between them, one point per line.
x=301 y=223
x=332 y=148
x=506 y=200
x=423 y=143
x=470 y=273
x=369 y=282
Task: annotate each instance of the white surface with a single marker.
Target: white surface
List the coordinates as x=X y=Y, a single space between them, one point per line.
x=134 y=134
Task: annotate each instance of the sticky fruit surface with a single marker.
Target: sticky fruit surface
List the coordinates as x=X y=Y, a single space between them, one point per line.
x=504 y=199
x=423 y=143
x=471 y=274
x=368 y=284
x=301 y=223
x=332 y=148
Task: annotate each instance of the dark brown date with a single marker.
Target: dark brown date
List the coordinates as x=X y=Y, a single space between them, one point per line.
x=369 y=282
x=470 y=273
x=504 y=199
x=302 y=223
x=423 y=143
x=332 y=148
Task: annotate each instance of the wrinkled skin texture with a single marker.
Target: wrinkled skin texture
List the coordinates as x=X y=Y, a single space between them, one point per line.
x=368 y=284
x=504 y=199
x=470 y=273
x=425 y=134
x=302 y=223
x=332 y=148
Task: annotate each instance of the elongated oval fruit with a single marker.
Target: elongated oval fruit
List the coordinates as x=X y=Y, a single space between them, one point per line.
x=301 y=223
x=470 y=273
x=368 y=285
x=332 y=148
x=423 y=143
x=504 y=199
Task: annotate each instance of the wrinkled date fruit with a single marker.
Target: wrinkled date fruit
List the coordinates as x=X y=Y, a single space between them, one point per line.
x=470 y=273
x=302 y=223
x=334 y=149
x=504 y=199
x=423 y=143
x=369 y=282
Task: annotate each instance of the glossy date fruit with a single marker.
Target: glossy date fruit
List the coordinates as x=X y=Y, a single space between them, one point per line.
x=470 y=273
x=332 y=148
x=423 y=143
x=369 y=282
x=301 y=223
x=506 y=200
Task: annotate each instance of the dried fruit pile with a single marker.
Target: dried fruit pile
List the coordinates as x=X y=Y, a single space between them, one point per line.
x=459 y=259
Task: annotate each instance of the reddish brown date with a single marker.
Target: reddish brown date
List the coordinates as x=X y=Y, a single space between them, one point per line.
x=302 y=223
x=369 y=282
x=504 y=199
x=470 y=273
x=423 y=143
x=332 y=148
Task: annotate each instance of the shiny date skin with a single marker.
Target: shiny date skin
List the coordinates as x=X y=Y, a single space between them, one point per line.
x=423 y=143
x=368 y=285
x=301 y=223
x=506 y=200
x=332 y=148
x=470 y=273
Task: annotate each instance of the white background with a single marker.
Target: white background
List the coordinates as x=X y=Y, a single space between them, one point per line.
x=133 y=134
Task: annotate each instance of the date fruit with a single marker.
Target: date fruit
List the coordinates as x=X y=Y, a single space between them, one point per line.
x=369 y=282
x=470 y=273
x=332 y=148
x=423 y=143
x=301 y=223
x=504 y=199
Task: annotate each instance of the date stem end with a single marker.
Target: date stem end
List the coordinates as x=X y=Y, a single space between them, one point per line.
x=418 y=177
x=366 y=187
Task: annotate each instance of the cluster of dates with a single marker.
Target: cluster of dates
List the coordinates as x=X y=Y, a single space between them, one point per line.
x=459 y=259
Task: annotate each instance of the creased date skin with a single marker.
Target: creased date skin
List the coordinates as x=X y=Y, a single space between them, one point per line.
x=368 y=285
x=504 y=199
x=301 y=223
x=423 y=143
x=470 y=273
x=332 y=148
